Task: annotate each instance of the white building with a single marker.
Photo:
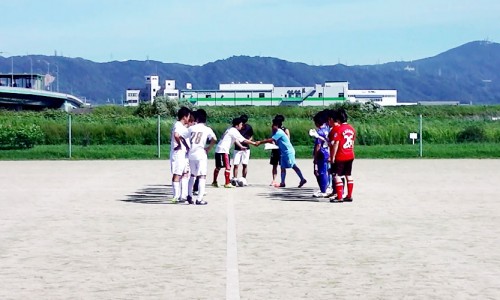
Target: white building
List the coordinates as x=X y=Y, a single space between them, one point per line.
x=325 y=94
x=382 y=97
x=151 y=90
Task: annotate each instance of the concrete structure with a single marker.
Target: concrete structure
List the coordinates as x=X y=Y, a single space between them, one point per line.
x=25 y=91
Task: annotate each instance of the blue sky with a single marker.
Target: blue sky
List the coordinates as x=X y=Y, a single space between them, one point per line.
x=195 y=32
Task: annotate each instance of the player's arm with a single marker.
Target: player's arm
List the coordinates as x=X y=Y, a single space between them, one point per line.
x=287 y=132
x=177 y=138
x=213 y=141
x=334 y=149
x=269 y=140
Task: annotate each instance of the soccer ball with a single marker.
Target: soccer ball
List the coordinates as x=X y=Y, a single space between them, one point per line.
x=242 y=181
x=234 y=181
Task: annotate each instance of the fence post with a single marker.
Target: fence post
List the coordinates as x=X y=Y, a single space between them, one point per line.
x=69 y=135
x=420 y=132
x=159 y=136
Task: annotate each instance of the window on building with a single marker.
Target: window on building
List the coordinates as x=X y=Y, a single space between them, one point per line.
x=320 y=95
x=262 y=95
x=208 y=96
x=341 y=95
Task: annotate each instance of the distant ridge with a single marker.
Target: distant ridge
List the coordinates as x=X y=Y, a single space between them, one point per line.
x=468 y=73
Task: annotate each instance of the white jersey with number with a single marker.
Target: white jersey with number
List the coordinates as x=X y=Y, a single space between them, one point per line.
x=199 y=134
x=232 y=134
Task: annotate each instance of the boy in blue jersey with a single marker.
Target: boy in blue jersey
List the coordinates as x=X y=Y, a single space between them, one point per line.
x=321 y=154
x=287 y=159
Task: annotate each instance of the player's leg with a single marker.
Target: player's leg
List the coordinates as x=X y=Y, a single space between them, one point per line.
x=219 y=164
x=350 y=181
x=291 y=162
x=185 y=181
x=177 y=165
x=202 y=177
x=237 y=155
x=339 y=185
x=227 y=171
x=244 y=161
x=274 y=161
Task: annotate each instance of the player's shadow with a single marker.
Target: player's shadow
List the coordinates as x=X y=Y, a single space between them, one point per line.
x=291 y=194
x=151 y=194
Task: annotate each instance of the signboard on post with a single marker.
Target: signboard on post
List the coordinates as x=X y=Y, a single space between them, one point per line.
x=413 y=137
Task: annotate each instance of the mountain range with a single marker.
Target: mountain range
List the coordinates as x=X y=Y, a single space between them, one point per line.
x=469 y=73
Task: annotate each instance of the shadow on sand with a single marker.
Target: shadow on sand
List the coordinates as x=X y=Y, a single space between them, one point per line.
x=292 y=194
x=151 y=194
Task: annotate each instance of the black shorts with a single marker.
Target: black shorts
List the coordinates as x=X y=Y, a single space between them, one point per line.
x=275 y=157
x=222 y=161
x=342 y=168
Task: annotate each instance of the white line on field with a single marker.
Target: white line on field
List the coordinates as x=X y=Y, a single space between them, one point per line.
x=232 y=277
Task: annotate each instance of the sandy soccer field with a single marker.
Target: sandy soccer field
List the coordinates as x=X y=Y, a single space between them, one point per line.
x=417 y=229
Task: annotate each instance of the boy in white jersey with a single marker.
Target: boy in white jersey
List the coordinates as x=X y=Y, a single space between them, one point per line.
x=199 y=135
x=178 y=151
x=231 y=136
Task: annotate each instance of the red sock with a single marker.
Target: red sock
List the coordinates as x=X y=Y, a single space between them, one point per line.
x=339 y=188
x=227 y=174
x=216 y=174
x=350 y=186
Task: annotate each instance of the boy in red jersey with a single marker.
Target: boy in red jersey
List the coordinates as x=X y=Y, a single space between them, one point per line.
x=342 y=155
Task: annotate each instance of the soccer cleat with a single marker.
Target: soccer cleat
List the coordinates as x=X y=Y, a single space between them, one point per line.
x=335 y=200
x=189 y=200
x=273 y=183
x=282 y=185
x=319 y=194
x=228 y=186
x=174 y=200
x=202 y=202
x=214 y=184
x=195 y=193
x=302 y=182
x=347 y=199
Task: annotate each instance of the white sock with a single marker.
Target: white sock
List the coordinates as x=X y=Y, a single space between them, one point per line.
x=176 y=186
x=201 y=188
x=190 y=185
x=184 y=187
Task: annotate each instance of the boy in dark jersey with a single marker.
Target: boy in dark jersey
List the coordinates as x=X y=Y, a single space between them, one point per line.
x=276 y=153
x=342 y=155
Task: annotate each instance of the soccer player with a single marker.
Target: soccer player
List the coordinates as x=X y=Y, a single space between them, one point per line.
x=199 y=134
x=287 y=159
x=242 y=156
x=178 y=151
x=231 y=135
x=321 y=154
x=276 y=154
x=342 y=155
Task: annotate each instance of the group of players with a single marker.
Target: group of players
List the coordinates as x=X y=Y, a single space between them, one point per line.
x=333 y=154
x=192 y=139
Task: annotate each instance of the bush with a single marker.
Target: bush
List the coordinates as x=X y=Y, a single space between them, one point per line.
x=472 y=133
x=20 y=136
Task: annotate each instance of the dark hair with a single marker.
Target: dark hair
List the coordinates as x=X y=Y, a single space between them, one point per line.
x=320 y=118
x=244 y=119
x=236 y=121
x=277 y=122
x=342 y=115
x=201 y=116
x=183 y=112
x=280 y=117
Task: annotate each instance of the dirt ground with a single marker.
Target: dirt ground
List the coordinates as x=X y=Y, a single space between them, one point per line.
x=417 y=229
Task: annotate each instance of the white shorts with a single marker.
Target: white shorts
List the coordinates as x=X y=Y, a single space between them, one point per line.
x=198 y=166
x=179 y=164
x=241 y=157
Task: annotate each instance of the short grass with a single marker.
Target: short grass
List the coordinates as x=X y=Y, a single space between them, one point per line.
x=56 y=152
